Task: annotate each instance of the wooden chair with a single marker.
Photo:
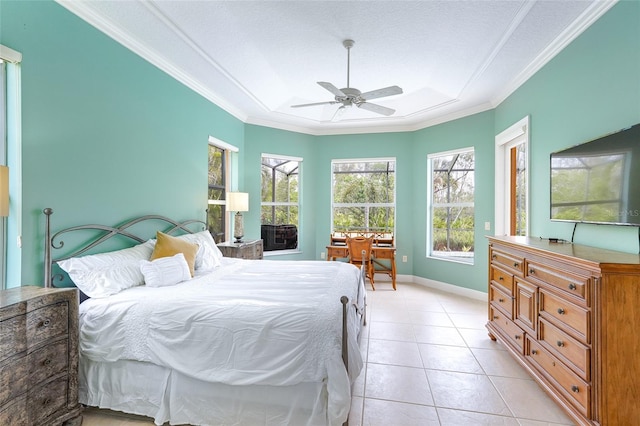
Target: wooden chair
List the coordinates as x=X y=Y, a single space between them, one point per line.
x=360 y=253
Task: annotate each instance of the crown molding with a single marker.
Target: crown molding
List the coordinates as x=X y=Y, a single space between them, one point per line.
x=588 y=17
x=84 y=11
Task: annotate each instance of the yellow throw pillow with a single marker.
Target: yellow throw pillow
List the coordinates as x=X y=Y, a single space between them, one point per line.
x=166 y=246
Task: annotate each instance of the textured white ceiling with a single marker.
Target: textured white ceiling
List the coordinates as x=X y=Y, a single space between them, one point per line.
x=257 y=58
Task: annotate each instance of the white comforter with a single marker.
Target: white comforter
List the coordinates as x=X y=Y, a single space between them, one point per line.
x=248 y=322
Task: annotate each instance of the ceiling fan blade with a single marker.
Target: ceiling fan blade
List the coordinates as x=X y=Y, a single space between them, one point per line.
x=376 y=108
x=330 y=87
x=314 y=104
x=387 y=91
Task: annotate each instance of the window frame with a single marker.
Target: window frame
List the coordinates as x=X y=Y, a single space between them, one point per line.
x=227 y=151
x=297 y=204
x=392 y=205
x=430 y=206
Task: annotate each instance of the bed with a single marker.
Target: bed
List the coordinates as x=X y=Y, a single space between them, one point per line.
x=239 y=342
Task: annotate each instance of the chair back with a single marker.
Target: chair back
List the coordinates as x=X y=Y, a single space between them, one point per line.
x=356 y=245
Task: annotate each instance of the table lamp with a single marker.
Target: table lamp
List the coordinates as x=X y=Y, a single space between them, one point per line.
x=238 y=202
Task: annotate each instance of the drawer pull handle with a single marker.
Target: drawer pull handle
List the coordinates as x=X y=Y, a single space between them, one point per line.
x=45 y=323
x=518 y=337
x=516 y=264
x=495 y=317
x=561 y=311
x=46 y=401
x=46 y=362
x=560 y=343
x=532 y=271
x=501 y=278
x=575 y=389
x=534 y=352
x=501 y=300
x=494 y=256
x=572 y=286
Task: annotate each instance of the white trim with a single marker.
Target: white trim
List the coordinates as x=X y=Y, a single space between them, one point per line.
x=222 y=144
x=7 y=54
x=449 y=288
x=453 y=151
x=586 y=19
x=361 y=160
x=521 y=129
x=282 y=157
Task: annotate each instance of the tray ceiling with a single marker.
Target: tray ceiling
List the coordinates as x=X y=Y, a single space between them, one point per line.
x=257 y=58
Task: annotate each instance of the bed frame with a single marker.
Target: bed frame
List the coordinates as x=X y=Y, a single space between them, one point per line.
x=103 y=233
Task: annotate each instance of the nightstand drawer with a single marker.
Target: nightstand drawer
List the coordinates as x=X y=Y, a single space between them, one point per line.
x=47 y=323
x=13 y=336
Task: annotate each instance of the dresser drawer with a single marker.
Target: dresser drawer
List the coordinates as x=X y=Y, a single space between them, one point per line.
x=502 y=278
x=508 y=261
x=575 y=285
x=571 y=317
x=46 y=399
x=498 y=297
x=513 y=333
x=46 y=323
x=568 y=383
x=14 y=413
x=29 y=370
x=574 y=353
x=13 y=336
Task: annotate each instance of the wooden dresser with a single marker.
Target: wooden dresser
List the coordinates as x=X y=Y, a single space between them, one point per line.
x=244 y=250
x=570 y=314
x=39 y=357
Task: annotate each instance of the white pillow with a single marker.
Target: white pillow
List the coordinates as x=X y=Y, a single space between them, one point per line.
x=104 y=274
x=165 y=271
x=209 y=255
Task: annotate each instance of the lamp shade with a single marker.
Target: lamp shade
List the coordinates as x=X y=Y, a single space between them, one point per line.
x=4 y=191
x=238 y=201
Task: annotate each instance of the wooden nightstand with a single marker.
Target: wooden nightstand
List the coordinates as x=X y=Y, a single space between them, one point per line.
x=245 y=250
x=39 y=357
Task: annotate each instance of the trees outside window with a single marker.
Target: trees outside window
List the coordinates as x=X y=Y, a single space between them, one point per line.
x=216 y=213
x=364 y=195
x=451 y=210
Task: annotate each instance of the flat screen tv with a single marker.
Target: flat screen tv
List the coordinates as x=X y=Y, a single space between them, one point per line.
x=598 y=181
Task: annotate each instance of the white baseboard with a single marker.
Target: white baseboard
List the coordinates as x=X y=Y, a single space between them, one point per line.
x=438 y=285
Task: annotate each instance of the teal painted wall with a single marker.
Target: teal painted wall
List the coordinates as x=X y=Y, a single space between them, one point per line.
x=374 y=145
x=265 y=140
x=106 y=135
x=590 y=89
x=474 y=131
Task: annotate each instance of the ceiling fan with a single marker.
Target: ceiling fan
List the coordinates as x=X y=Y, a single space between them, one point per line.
x=349 y=96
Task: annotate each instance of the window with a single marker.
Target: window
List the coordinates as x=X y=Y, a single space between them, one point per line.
x=364 y=195
x=218 y=180
x=10 y=154
x=451 y=211
x=511 y=180
x=280 y=202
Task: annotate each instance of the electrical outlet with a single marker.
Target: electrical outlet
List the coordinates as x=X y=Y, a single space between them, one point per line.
x=404 y=259
x=487 y=226
x=322 y=255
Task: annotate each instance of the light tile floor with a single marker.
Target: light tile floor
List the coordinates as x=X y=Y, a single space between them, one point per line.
x=429 y=361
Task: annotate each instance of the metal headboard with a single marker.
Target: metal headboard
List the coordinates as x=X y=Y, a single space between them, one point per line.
x=53 y=242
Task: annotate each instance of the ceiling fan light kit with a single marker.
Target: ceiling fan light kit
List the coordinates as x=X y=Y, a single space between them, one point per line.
x=349 y=96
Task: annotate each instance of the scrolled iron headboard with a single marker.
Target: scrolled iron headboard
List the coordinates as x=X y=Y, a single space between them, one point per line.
x=53 y=242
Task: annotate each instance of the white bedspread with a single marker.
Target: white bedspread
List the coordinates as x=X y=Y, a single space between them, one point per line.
x=249 y=322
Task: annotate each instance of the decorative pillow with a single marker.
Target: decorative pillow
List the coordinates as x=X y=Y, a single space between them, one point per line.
x=167 y=246
x=209 y=255
x=165 y=271
x=104 y=274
